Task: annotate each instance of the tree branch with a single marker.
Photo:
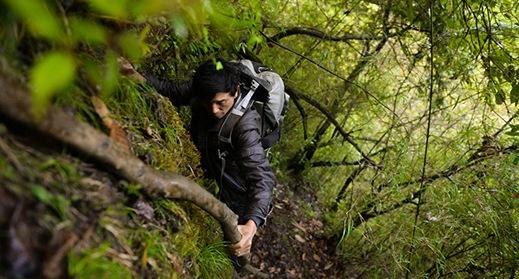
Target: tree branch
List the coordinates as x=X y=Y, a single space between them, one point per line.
x=477 y=157
x=16 y=105
x=303 y=114
x=294 y=92
x=312 y=32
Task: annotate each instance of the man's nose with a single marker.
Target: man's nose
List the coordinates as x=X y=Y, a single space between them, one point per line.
x=215 y=108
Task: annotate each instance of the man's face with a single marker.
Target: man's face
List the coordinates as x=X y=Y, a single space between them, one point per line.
x=220 y=104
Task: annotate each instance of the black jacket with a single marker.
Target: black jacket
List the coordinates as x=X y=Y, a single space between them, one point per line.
x=242 y=171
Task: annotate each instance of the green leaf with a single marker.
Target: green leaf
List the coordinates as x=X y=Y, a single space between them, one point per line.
x=500 y=96
x=514 y=94
x=84 y=30
x=254 y=39
x=180 y=27
x=41 y=194
x=111 y=74
x=219 y=65
x=115 y=8
x=514 y=130
x=57 y=202
x=40 y=19
x=516 y=160
x=51 y=73
x=132 y=45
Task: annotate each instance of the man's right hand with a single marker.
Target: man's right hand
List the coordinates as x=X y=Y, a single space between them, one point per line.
x=127 y=69
x=247 y=231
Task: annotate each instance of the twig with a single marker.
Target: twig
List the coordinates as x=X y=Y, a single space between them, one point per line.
x=10 y=156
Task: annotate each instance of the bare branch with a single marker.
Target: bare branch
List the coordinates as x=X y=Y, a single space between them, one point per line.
x=344 y=162
x=312 y=32
x=370 y=211
x=304 y=117
x=293 y=92
x=335 y=164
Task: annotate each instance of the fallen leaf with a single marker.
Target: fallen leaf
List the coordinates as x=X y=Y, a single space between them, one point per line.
x=116 y=130
x=153 y=263
x=101 y=109
x=299 y=238
x=118 y=135
x=328 y=266
x=297 y=225
x=317 y=258
x=91 y=182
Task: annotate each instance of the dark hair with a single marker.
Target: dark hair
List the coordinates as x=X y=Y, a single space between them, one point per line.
x=209 y=80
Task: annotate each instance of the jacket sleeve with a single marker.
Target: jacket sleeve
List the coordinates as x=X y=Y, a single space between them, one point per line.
x=177 y=91
x=255 y=167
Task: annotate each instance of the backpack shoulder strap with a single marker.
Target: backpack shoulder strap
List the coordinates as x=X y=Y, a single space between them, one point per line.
x=230 y=121
x=242 y=104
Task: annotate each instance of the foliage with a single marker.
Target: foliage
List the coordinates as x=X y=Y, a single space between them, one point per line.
x=472 y=142
x=426 y=90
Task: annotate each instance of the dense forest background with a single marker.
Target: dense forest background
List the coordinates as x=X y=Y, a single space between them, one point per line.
x=401 y=138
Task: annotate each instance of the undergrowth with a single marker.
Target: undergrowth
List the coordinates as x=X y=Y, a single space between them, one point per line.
x=115 y=237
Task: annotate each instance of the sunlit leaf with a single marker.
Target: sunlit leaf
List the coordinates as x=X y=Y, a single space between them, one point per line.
x=514 y=130
x=39 y=17
x=111 y=74
x=115 y=8
x=51 y=73
x=59 y=203
x=41 y=194
x=93 y=70
x=180 y=27
x=117 y=132
x=147 y=8
x=87 y=31
x=132 y=46
x=254 y=39
x=219 y=66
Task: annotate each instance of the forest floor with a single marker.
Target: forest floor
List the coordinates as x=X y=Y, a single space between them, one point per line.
x=292 y=244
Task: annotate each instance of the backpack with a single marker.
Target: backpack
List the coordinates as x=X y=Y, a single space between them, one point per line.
x=262 y=88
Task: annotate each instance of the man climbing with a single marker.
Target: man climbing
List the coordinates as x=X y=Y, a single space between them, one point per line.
x=240 y=168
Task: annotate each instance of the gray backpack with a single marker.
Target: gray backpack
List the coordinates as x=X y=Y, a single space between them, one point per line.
x=264 y=89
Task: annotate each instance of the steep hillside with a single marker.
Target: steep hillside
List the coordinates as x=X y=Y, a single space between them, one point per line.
x=63 y=210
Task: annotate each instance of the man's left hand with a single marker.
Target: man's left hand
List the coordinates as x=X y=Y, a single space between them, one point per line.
x=247 y=231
